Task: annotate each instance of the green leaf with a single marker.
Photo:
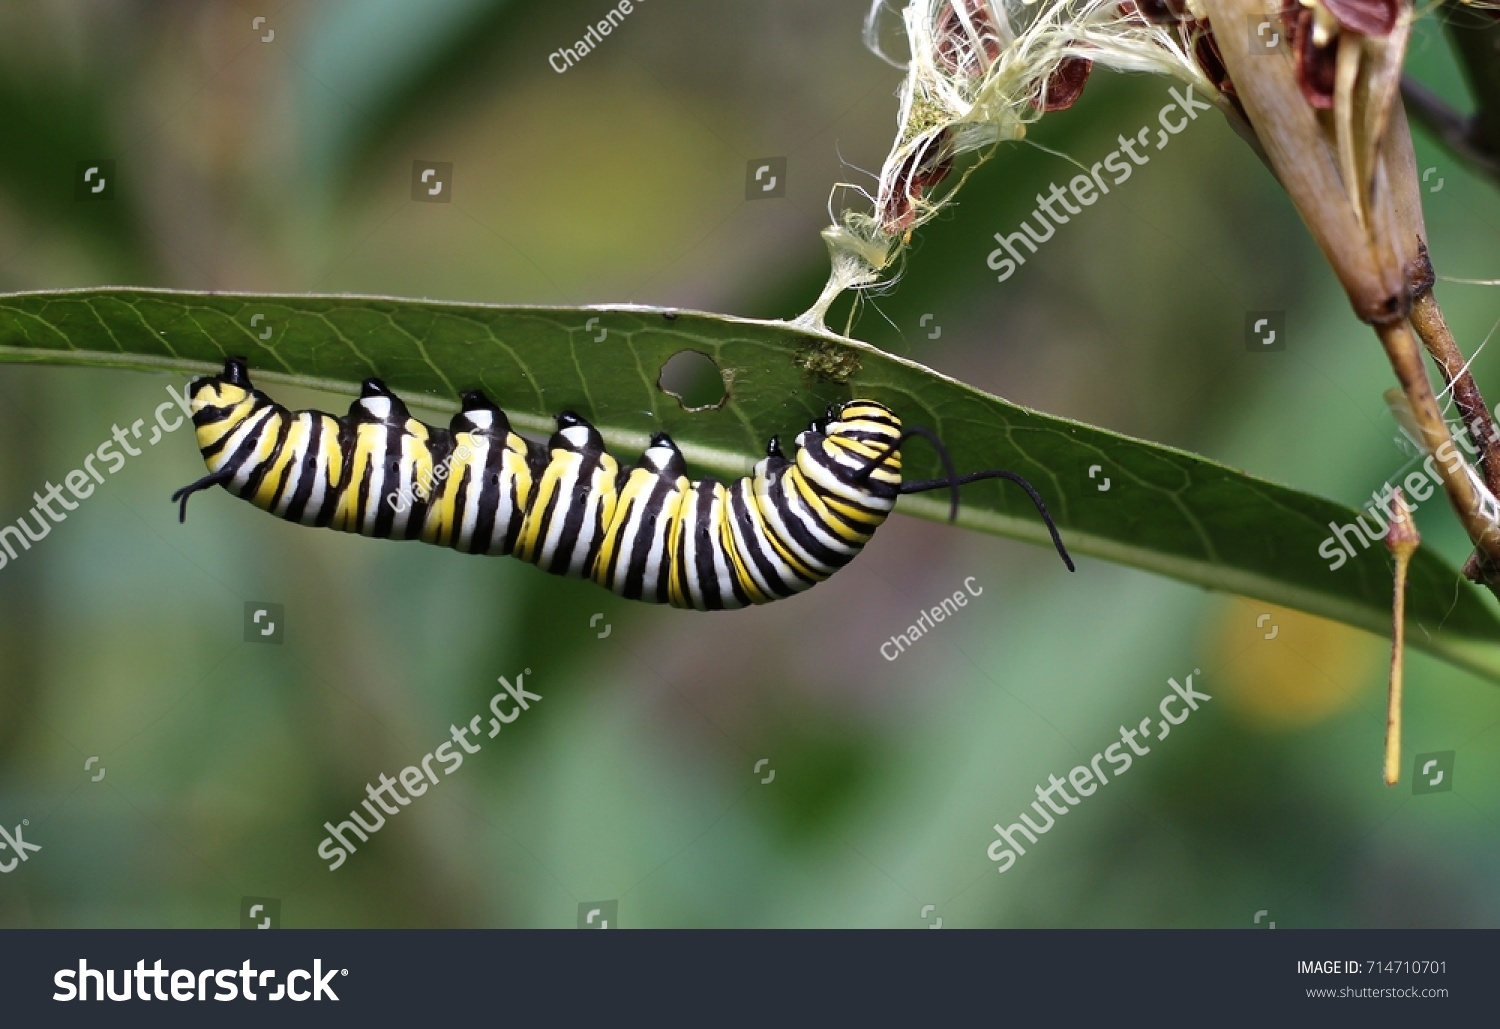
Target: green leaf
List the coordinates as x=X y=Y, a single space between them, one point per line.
x=1165 y=510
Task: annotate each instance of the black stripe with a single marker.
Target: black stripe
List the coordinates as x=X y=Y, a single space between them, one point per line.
x=610 y=573
x=212 y=412
x=205 y=416
x=334 y=496
x=258 y=473
x=291 y=466
x=307 y=472
x=660 y=538
x=517 y=515
x=855 y=502
x=479 y=541
x=740 y=499
x=538 y=457
x=796 y=519
x=361 y=502
x=286 y=473
x=438 y=446
x=869 y=436
x=544 y=522
x=385 y=518
x=507 y=488
x=708 y=544
x=646 y=536
x=579 y=503
x=214 y=448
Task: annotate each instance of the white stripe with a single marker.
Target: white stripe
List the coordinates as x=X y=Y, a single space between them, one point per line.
x=294 y=470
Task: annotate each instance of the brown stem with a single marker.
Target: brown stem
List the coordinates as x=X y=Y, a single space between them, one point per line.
x=1432 y=328
x=1430 y=325
x=1402 y=539
x=1354 y=182
x=1294 y=142
x=1393 y=690
x=1426 y=316
x=1406 y=360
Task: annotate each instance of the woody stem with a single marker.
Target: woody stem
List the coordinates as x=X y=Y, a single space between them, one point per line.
x=1430 y=325
x=1393 y=695
x=1406 y=360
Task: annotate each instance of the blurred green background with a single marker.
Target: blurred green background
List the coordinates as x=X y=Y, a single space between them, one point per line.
x=285 y=165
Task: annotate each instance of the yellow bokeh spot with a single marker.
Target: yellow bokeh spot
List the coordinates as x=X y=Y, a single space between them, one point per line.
x=1281 y=669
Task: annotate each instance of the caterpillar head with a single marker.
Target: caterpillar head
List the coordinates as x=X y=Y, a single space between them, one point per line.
x=857 y=444
x=228 y=388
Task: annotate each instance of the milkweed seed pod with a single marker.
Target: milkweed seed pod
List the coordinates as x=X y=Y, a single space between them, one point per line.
x=978 y=72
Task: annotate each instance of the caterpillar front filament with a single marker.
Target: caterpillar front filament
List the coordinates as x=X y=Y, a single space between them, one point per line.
x=647 y=531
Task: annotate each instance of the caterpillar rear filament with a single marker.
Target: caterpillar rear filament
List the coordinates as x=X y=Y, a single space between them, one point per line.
x=646 y=531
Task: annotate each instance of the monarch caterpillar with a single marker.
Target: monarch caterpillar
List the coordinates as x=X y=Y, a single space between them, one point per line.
x=646 y=531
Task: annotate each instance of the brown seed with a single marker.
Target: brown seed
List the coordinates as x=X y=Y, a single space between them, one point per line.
x=1065 y=84
x=955 y=47
x=1206 y=52
x=1316 y=66
x=922 y=170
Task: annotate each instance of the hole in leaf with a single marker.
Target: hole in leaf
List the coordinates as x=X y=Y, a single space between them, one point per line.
x=695 y=380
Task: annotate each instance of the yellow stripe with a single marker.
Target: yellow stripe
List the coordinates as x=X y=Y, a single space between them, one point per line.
x=824 y=511
x=757 y=492
x=856 y=411
x=269 y=484
x=443 y=516
x=866 y=451
x=564 y=463
x=677 y=594
x=353 y=502
x=265 y=446
x=418 y=448
x=854 y=514
x=334 y=452
x=637 y=488
x=211 y=433
x=517 y=469
x=727 y=541
x=417 y=463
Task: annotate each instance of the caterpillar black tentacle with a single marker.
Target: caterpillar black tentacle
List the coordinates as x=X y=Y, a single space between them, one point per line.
x=645 y=531
x=954 y=481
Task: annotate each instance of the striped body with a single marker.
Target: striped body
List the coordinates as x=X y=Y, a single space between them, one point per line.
x=647 y=532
